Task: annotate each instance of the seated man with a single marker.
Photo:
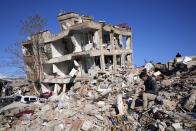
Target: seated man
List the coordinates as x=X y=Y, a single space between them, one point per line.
x=151 y=89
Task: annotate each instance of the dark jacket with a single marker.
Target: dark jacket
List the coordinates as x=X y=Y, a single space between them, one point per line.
x=151 y=85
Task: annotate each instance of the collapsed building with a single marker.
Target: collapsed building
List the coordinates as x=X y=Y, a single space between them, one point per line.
x=82 y=49
x=95 y=61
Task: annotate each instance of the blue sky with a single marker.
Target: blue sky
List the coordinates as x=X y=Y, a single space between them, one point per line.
x=161 y=28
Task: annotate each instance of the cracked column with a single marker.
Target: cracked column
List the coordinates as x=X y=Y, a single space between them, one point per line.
x=122 y=59
x=121 y=40
x=129 y=46
x=102 y=59
x=113 y=48
x=122 y=55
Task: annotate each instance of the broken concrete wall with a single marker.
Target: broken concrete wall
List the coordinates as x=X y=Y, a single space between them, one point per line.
x=61 y=69
x=106 y=40
x=47 y=69
x=108 y=61
x=69 y=46
x=68 y=19
x=117 y=42
x=88 y=42
x=96 y=40
x=83 y=41
x=118 y=60
x=87 y=65
x=45 y=87
x=58 y=49
x=90 y=61
x=128 y=42
x=76 y=40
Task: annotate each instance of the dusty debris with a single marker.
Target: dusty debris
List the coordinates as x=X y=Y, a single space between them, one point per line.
x=98 y=90
x=110 y=101
x=191 y=101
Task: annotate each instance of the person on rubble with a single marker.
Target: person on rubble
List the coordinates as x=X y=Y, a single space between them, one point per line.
x=151 y=89
x=178 y=55
x=179 y=66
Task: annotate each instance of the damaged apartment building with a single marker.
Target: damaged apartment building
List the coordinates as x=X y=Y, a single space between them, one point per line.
x=78 y=52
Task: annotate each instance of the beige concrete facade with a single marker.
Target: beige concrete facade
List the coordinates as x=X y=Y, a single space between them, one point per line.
x=80 y=50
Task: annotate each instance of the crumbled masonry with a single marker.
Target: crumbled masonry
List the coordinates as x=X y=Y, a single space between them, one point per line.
x=81 y=49
x=83 y=79
x=104 y=103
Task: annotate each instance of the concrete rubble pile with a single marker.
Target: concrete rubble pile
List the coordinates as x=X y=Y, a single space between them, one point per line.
x=104 y=103
x=9 y=88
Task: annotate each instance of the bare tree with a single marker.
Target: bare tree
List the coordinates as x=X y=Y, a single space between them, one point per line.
x=33 y=24
x=30 y=27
